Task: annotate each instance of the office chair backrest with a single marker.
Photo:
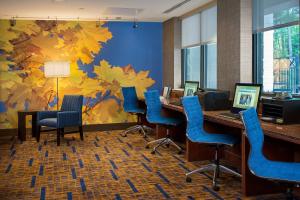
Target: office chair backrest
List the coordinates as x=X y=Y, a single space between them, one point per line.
x=153 y=104
x=72 y=103
x=194 y=115
x=130 y=98
x=255 y=136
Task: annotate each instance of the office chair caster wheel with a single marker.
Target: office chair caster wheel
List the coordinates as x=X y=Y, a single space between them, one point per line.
x=188 y=179
x=153 y=152
x=147 y=147
x=123 y=135
x=216 y=188
x=179 y=152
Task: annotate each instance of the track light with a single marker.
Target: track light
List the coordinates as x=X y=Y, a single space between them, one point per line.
x=98 y=23
x=55 y=23
x=77 y=25
x=12 y=21
x=135 y=25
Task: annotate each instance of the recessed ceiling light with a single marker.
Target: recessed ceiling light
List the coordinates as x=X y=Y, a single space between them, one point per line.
x=58 y=0
x=81 y=8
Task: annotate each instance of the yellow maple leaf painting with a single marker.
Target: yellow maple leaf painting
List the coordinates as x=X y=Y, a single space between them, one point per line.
x=25 y=47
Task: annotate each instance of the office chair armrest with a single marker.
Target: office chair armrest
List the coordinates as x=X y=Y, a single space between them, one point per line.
x=68 y=118
x=46 y=114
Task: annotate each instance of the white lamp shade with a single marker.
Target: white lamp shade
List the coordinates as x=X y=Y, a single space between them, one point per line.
x=57 y=69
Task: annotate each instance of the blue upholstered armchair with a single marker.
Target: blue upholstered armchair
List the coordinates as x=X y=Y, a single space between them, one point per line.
x=70 y=115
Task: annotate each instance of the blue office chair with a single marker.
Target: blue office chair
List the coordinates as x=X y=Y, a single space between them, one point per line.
x=70 y=115
x=131 y=105
x=154 y=116
x=259 y=165
x=196 y=133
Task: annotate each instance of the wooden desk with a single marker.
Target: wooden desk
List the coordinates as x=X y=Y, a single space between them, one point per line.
x=22 y=124
x=281 y=143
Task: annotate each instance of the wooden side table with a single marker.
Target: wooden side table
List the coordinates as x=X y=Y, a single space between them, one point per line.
x=22 y=123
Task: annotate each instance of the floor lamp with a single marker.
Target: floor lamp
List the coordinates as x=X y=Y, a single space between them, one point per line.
x=57 y=69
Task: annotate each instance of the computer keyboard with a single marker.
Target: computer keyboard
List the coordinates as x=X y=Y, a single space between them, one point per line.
x=230 y=115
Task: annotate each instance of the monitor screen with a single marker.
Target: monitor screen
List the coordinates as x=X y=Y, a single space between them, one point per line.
x=246 y=96
x=190 y=87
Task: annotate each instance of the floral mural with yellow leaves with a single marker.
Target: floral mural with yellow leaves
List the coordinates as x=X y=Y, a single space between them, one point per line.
x=25 y=47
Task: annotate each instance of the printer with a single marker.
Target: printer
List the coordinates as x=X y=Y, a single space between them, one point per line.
x=280 y=110
x=211 y=99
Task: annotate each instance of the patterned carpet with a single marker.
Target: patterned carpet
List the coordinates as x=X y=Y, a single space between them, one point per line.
x=103 y=166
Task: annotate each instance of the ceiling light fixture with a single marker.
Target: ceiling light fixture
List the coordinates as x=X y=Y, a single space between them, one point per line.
x=98 y=23
x=12 y=21
x=135 y=25
x=77 y=21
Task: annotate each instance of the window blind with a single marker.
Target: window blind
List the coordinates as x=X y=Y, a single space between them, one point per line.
x=209 y=25
x=199 y=28
x=190 y=31
x=269 y=13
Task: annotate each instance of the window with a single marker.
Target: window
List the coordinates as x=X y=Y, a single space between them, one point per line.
x=277 y=45
x=211 y=65
x=199 y=53
x=192 y=63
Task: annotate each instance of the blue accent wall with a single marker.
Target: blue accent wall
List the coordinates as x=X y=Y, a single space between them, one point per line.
x=141 y=47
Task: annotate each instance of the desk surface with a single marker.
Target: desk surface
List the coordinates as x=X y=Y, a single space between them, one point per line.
x=289 y=133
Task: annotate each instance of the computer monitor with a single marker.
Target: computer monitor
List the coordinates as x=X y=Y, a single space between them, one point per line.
x=190 y=87
x=246 y=96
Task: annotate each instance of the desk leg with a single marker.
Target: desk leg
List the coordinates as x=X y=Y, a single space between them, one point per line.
x=160 y=131
x=34 y=124
x=198 y=152
x=21 y=127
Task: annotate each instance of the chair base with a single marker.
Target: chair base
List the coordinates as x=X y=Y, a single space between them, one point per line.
x=141 y=128
x=289 y=195
x=163 y=141
x=215 y=168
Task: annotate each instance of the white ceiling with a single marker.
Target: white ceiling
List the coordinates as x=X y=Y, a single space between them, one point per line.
x=147 y=10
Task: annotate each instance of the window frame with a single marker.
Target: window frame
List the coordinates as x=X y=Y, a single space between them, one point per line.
x=203 y=64
x=184 y=63
x=257 y=66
